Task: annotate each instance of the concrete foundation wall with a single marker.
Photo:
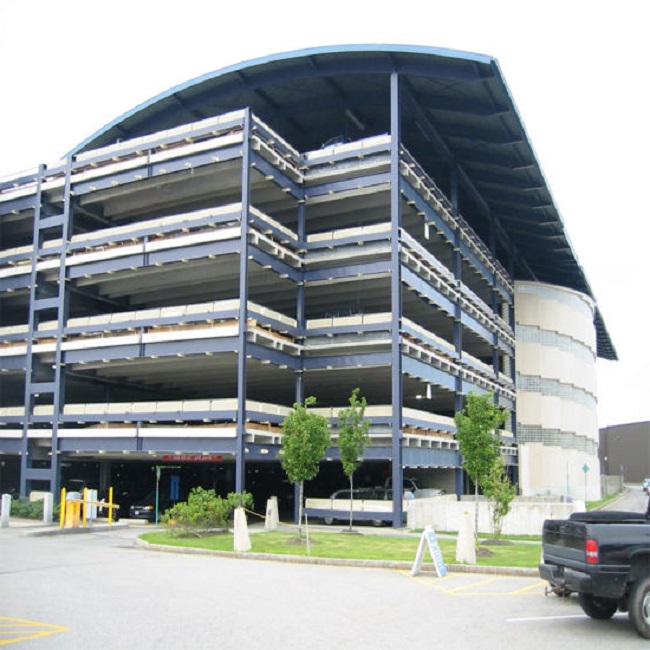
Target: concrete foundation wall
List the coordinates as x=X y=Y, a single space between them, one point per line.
x=525 y=518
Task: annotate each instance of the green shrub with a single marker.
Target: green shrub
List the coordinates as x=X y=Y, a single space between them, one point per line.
x=27 y=509
x=204 y=512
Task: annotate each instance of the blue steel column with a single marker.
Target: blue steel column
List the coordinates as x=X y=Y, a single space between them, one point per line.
x=495 y=295
x=299 y=396
x=37 y=241
x=240 y=464
x=458 y=312
x=396 y=300
x=62 y=310
x=300 y=303
x=457 y=270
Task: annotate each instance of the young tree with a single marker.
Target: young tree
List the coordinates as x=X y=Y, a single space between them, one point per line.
x=305 y=439
x=353 y=437
x=477 y=432
x=500 y=490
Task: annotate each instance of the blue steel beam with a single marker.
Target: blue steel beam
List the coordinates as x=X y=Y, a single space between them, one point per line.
x=428 y=291
x=196 y=347
x=15 y=283
x=429 y=373
x=224 y=446
x=260 y=225
x=146 y=230
x=436 y=221
x=353 y=154
x=348 y=361
x=435 y=296
x=276 y=357
x=127 y=150
x=10 y=446
x=157 y=170
x=354 y=270
x=8 y=256
x=226 y=314
x=14 y=364
x=430 y=457
x=349 y=329
x=281 y=268
x=371 y=180
x=283 y=181
x=347 y=241
x=197 y=251
x=138 y=351
x=21 y=204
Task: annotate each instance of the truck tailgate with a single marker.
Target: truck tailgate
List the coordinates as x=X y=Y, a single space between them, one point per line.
x=564 y=542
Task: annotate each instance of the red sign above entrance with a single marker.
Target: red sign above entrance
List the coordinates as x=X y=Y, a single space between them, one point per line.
x=192 y=458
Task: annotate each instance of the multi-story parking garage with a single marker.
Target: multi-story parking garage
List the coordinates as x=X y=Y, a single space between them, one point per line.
x=299 y=225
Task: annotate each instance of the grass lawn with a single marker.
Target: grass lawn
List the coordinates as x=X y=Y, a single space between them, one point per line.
x=361 y=546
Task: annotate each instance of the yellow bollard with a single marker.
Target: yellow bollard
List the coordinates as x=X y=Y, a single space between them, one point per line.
x=62 y=508
x=84 y=506
x=110 y=503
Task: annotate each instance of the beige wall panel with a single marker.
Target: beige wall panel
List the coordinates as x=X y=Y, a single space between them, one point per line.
x=567 y=416
x=552 y=413
x=551 y=471
x=555 y=309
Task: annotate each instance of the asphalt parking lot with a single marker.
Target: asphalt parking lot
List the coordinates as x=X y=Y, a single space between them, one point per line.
x=100 y=590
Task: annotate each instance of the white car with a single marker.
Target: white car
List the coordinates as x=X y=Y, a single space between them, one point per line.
x=412 y=486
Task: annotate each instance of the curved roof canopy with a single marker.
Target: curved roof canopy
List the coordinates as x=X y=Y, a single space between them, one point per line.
x=457 y=115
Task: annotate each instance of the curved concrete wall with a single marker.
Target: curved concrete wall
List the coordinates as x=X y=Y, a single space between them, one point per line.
x=557 y=424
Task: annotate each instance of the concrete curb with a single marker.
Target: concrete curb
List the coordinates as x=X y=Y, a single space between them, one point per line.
x=374 y=564
x=44 y=530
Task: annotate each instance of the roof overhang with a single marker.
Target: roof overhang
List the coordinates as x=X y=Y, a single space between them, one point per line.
x=460 y=120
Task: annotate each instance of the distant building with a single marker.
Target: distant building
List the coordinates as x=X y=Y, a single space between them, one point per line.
x=625 y=451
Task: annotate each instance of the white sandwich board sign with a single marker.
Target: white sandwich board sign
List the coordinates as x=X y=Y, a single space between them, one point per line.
x=429 y=540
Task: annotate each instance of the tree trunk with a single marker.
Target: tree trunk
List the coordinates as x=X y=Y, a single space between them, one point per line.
x=351 y=502
x=300 y=488
x=476 y=511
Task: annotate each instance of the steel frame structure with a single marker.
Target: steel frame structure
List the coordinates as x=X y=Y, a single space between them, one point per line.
x=178 y=291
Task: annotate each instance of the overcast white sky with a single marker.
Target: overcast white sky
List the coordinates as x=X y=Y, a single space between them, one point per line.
x=575 y=68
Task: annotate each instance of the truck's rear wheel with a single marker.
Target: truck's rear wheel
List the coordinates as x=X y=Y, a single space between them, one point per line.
x=600 y=608
x=639 y=606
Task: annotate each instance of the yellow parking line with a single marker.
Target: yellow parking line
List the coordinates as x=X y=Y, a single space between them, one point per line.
x=475 y=584
x=540 y=583
x=15 y=630
x=442 y=585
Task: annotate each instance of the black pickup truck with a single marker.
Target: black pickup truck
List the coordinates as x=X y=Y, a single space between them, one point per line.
x=604 y=557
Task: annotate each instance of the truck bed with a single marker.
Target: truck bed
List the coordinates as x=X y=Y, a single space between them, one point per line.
x=592 y=552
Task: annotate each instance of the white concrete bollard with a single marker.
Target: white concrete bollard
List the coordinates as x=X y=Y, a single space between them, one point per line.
x=242 y=541
x=272 y=519
x=465 y=545
x=48 y=507
x=6 y=511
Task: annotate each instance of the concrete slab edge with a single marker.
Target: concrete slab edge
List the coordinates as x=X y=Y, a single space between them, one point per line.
x=37 y=531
